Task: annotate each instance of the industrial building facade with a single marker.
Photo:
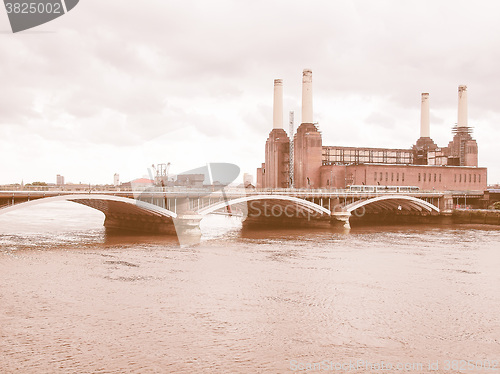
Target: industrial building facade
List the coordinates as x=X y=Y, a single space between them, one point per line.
x=424 y=165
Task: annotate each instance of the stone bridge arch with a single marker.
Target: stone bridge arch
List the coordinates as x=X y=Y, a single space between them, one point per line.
x=120 y=212
x=392 y=202
x=287 y=205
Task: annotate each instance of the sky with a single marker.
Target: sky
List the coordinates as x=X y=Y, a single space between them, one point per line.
x=115 y=86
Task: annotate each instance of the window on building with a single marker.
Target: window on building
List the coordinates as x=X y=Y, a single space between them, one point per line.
x=397 y=177
x=375 y=176
x=455 y=178
x=470 y=178
x=474 y=178
x=460 y=179
x=381 y=176
x=439 y=177
x=419 y=177
x=479 y=178
x=425 y=177
x=402 y=177
x=386 y=176
x=465 y=178
x=434 y=177
x=429 y=177
x=392 y=177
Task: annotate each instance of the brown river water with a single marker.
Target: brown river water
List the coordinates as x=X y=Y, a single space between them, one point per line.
x=409 y=299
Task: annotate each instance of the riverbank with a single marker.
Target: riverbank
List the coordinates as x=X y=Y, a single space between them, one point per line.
x=485 y=216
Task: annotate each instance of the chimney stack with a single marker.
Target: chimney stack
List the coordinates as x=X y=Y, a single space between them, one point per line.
x=462 y=106
x=425 y=131
x=278 y=104
x=307 y=101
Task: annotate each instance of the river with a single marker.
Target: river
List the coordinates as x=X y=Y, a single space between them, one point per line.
x=74 y=299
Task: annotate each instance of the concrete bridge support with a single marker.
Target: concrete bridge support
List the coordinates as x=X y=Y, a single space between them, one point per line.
x=187 y=222
x=128 y=214
x=140 y=223
x=187 y=227
x=446 y=203
x=334 y=205
x=341 y=218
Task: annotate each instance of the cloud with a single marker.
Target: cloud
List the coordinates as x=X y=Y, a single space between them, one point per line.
x=186 y=81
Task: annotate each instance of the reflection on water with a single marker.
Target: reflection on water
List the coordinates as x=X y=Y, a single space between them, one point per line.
x=75 y=298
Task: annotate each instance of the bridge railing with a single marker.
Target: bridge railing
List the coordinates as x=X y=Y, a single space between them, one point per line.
x=348 y=191
x=340 y=192
x=229 y=190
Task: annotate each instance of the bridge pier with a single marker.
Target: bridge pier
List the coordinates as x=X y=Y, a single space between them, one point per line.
x=137 y=223
x=334 y=204
x=187 y=222
x=187 y=227
x=445 y=203
x=342 y=218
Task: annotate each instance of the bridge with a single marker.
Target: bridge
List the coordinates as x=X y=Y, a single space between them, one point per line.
x=172 y=210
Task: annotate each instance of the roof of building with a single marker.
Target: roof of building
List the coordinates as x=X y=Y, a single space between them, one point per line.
x=142 y=181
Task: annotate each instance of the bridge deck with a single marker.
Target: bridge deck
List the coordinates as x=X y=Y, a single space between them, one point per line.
x=232 y=193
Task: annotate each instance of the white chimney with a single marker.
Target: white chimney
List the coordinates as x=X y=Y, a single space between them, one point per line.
x=425 y=131
x=462 y=106
x=307 y=99
x=278 y=104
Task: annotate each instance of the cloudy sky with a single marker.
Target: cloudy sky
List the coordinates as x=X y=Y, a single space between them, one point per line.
x=115 y=86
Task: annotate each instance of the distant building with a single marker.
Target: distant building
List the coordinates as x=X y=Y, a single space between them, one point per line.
x=138 y=184
x=190 y=180
x=116 y=179
x=59 y=180
x=142 y=182
x=247 y=179
x=424 y=165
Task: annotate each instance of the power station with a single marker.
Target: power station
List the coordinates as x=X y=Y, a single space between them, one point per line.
x=424 y=165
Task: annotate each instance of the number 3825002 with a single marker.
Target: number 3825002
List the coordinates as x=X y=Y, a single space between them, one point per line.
x=33 y=8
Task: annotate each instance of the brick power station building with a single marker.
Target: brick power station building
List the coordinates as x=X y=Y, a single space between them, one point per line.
x=425 y=165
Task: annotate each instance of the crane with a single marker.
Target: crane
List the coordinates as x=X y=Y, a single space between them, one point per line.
x=161 y=173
